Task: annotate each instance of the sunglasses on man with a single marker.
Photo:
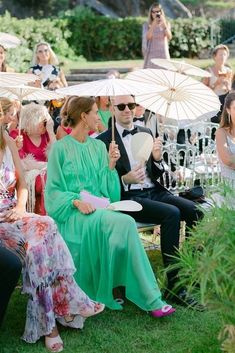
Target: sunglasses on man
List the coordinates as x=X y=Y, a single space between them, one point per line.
x=122 y=106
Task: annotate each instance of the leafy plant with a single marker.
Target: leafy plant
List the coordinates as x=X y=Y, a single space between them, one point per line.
x=207 y=259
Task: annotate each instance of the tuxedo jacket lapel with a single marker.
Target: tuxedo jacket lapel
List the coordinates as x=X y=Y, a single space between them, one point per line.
x=123 y=161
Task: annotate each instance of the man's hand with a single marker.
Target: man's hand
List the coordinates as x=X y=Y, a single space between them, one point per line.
x=135 y=176
x=157 y=149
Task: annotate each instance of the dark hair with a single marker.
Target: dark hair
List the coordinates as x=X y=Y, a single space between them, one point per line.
x=63 y=111
x=226 y=121
x=75 y=106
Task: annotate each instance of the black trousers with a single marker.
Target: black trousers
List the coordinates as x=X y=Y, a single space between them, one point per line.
x=10 y=270
x=163 y=208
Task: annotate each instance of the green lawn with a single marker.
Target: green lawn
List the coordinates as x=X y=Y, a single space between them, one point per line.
x=127 y=331
x=82 y=64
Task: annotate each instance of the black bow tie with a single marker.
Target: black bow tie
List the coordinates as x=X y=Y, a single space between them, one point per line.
x=138 y=119
x=127 y=132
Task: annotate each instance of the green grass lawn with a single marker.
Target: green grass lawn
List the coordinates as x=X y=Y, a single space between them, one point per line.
x=128 y=331
x=82 y=64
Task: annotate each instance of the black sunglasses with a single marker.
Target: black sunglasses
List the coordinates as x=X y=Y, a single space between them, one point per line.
x=122 y=106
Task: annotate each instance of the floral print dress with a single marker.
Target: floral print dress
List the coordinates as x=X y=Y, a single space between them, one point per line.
x=47 y=264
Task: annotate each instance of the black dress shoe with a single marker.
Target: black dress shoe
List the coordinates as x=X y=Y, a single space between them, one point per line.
x=181 y=297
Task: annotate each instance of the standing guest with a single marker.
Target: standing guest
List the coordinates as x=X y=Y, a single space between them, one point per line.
x=47 y=264
x=104 y=244
x=225 y=140
x=45 y=64
x=155 y=36
x=140 y=183
x=221 y=76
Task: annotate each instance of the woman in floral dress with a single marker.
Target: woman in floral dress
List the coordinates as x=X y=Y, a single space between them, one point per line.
x=47 y=264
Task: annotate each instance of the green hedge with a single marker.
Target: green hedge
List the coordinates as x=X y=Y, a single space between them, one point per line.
x=103 y=38
x=54 y=31
x=82 y=33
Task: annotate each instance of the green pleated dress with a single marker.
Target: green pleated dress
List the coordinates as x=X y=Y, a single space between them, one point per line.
x=105 y=245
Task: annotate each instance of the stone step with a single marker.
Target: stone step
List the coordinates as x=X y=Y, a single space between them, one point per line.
x=100 y=70
x=85 y=77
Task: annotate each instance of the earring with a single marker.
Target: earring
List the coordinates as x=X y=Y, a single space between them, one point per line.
x=229 y=118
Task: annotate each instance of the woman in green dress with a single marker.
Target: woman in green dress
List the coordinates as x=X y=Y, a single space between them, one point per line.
x=104 y=244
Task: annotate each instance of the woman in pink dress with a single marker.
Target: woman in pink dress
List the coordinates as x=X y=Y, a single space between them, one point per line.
x=37 y=135
x=155 y=36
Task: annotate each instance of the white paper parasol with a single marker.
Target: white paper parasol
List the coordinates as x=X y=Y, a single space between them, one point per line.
x=28 y=93
x=181 y=67
x=183 y=100
x=15 y=79
x=8 y=40
x=110 y=88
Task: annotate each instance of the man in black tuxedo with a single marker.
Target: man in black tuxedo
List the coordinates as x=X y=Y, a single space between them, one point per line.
x=141 y=184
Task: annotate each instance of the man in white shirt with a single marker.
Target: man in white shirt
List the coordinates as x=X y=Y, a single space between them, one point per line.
x=140 y=184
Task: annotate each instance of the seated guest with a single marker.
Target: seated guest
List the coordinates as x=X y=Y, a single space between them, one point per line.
x=141 y=184
x=45 y=64
x=225 y=140
x=35 y=243
x=37 y=136
x=105 y=244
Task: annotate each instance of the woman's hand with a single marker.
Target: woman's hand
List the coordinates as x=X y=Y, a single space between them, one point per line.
x=114 y=155
x=14 y=214
x=84 y=207
x=19 y=142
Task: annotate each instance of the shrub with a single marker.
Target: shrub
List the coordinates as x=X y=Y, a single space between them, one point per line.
x=208 y=259
x=104 y=38
x=31 y=32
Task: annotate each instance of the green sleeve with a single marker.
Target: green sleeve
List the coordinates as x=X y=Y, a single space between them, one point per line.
x=109 y=179
x=58 y=199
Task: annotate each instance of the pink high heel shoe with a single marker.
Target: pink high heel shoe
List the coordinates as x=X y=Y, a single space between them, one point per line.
x=166 y=310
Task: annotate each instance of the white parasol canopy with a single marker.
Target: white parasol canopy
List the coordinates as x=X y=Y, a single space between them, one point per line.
x=8 y=40
x=28 y=93
x=183 y=99
x=14 y=78
x=181 y=67
x=109 y=88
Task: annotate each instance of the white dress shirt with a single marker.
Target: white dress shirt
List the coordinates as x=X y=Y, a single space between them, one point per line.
x=133 y=163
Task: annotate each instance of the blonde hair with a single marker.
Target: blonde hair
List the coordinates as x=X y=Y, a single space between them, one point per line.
x=6 y=104
x=2 y=141
x=220 y=47
x=31 y=115
x=155 y=4
x=4 y=66
x=53 y=60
